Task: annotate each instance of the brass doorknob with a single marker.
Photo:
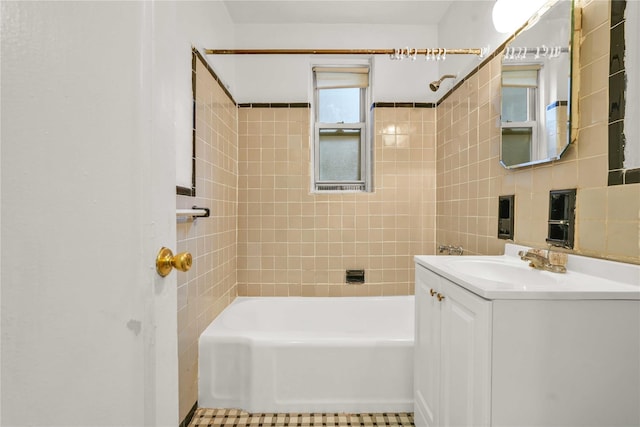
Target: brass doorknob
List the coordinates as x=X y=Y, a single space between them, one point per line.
x=440 y=297
x=166 y=261
x=432 y=292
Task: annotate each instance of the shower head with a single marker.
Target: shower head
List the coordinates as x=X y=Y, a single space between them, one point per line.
x=434 y=86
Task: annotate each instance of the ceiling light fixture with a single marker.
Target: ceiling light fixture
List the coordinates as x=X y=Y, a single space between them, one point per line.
x=509 y=15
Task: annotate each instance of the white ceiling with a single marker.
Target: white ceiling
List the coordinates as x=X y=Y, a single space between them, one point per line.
x=392 y=12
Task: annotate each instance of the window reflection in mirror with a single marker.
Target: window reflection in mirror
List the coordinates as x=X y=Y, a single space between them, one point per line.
x=536 y=90
x=519 y=124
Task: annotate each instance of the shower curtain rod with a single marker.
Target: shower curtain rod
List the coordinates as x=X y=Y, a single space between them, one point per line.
x=403 y=51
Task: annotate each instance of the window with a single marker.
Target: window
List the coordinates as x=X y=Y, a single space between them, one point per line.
x=341 y=154
x=519 y=118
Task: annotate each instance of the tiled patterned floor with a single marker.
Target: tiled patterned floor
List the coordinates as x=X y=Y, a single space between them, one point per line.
x=238 y=418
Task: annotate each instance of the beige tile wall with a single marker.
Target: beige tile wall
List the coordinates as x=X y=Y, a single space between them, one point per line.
x=292 y=242
x=470 y=178
x=211 y=284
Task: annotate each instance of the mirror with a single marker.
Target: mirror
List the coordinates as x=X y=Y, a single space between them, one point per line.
x=536 y=90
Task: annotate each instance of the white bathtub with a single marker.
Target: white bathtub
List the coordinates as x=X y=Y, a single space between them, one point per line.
x=296 y=354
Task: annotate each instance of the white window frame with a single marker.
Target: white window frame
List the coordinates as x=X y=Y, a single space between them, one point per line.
x=532 y=122
x=343 y=186
x=533 y=102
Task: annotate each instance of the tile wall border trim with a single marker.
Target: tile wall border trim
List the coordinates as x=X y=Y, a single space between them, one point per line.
x=618 y=175
x=275 y=105
x=471 y=73
x=403 y=105
x=181 y=190
x=214 y=75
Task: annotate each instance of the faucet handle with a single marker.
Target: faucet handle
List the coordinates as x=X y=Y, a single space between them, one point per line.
x=558 y=258
x=540 y=252
x=545 y=260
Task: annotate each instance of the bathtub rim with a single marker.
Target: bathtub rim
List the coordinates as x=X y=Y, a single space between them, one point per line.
x=217 y=330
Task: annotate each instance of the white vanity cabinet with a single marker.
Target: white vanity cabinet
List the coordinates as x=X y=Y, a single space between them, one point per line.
x=453 y=354
x=525 y=357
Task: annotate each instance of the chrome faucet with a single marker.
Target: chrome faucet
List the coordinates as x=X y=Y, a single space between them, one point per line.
x=541 y=262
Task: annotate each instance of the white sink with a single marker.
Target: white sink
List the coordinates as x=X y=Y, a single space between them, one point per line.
x=508 y=277
x=507 y=270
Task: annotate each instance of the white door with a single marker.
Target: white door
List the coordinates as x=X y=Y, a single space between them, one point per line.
x=88 y=198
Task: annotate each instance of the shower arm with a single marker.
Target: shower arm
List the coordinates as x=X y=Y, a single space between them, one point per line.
x=435 y=85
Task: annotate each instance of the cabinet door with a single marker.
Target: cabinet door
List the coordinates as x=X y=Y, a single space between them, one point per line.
x=427 y=350
x=466 y=357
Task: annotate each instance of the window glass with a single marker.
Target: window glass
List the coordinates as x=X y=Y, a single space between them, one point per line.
x=515 y=104
x=340 y=155
x=516 y=145
x=339 y=105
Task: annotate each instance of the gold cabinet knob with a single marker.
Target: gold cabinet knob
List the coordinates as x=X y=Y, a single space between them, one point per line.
x=440 y=297
x=432 y=292
x=166 y=261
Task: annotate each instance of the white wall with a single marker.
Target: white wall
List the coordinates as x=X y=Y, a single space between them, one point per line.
x=467 y=24
x=288 y=78
x=199 y=24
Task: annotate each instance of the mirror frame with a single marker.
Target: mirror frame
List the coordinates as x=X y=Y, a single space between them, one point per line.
x=574 y=84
